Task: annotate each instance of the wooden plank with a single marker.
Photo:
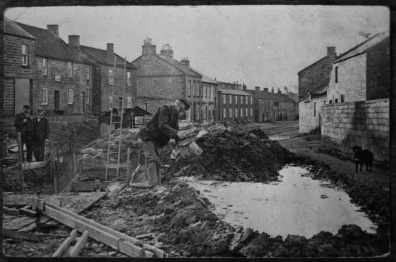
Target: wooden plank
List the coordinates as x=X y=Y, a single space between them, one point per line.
x=35 y=237
x=75 y=251
x=65 y=244
x=18 y=223
x=34 y=165
x=11 y=211
x=101 y=233
x=32 y=226
x=27 y=211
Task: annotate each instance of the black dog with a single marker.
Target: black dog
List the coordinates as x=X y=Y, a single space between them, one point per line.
x=363 y=156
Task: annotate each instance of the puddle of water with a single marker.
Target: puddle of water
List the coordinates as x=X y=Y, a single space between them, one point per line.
x=297 y=205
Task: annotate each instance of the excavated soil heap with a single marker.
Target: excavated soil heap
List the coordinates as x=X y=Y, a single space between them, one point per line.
x=233 y=155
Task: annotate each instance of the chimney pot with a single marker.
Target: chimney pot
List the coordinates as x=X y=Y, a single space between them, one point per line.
x=167 y=51
x=257 y=88
x=331 y=51
x=266 y=89
x=74 y=41
x=148 y=48
x=53 y=29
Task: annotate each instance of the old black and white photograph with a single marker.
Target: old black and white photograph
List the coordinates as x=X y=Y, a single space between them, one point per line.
x=205 y=131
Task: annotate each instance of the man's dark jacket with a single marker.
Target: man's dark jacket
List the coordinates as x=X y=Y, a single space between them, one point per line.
x=26 y=129
x=41 y=129
x=162 y=126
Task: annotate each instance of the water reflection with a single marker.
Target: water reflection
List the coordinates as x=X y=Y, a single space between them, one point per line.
x=296 y=205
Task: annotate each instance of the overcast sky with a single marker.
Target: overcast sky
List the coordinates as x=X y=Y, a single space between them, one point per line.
x=258 y=45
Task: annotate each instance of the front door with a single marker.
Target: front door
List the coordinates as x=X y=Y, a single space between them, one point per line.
x=22 y=94
x=82 y=102
x=57 y=100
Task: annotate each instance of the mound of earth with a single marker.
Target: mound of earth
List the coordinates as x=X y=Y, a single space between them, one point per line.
x=234 y=155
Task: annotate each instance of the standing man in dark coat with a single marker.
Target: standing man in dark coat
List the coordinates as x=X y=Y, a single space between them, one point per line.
x=24 y=125
x=163 y=126
x=41 y=134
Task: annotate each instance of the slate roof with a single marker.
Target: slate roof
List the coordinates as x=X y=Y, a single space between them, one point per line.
x=205 y=79
x=100 y=56
x=52 y=46
x=363 y=47
x=12 y=28
x=233 y=92
x=178 y=65
x=270 y=95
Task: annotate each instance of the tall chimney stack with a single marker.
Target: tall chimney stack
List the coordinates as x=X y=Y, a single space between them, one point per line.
x=74 y=41
x=110 y=49
x=53 y=29
x=167 y=51
x=257 y=88
x=331 y=51
x=148 y=48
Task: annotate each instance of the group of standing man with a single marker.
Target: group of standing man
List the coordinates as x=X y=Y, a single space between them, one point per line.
x=34 y=133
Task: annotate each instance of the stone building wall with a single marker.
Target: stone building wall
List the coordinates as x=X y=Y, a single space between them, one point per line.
x=364 y=123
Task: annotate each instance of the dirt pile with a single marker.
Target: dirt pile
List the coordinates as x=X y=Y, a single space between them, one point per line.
x=234 y=155
x=80 y=133
x=95 y=153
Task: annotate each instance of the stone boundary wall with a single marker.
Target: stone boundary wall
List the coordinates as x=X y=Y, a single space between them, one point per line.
x=363 y=123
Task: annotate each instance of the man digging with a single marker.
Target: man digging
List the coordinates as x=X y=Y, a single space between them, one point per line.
x=163 y=126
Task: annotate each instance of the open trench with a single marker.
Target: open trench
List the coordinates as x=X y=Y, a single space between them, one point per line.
x=259 y=201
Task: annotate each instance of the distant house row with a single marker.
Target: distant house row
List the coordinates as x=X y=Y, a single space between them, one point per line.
x=74 y=79
x=42 y=70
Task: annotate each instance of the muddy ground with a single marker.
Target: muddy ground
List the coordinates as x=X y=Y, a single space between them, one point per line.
x=181 y=221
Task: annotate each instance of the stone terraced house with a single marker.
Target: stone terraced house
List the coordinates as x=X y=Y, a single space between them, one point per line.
x=161 y=80
x=105 y=76
x=313 y=83
x=19 y=68
x=63 y=79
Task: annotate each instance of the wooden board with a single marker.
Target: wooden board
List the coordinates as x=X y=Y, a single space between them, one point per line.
x=61 y=249
x=18 y=222
x=117 y=240
x=33 y=165
x=76 y=203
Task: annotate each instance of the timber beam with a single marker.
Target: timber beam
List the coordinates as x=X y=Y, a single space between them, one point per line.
x=121 y=242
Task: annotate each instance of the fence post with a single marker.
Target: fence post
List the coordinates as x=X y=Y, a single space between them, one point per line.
x=128 y=162
x=20 y=150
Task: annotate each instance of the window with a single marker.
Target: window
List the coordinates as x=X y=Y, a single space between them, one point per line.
x=242 y=100
x=129 y=102
x=224 y=113
x=246 y=100
x=44 y=96
x=120 y=102
x=25 y=55
x=210 y=91
x=70 y=69
x=230 y=99
x=69 y=96
x=224 y=98
x=247 y=112
x=315 y=109
x=189 y=88
x=236 y=99
x=251 y=111
x=251 y=100
x=336 y=100
x=129 y=80
x=342 y=98
x=236 y=112
x=88 y=98
x=111 y=77
x=230 y=113
x=336 y=74
x=88 y=73
x=330 y=101
x=45 y=66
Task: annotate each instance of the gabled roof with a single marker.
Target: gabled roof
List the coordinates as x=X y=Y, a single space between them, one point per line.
x=176 y=64
x=100 y=56
x=12 y=28
x=233 y=92
x=311 y=65
x=52 y=46
x=205 y=79
x=363 y=47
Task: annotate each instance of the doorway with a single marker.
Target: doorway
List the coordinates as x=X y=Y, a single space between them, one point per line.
x=57 y=100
